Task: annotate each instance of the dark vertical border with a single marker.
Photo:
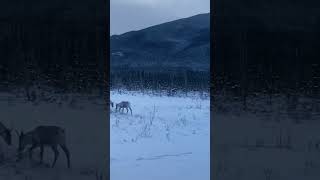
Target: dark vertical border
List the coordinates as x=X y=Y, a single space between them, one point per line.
x=107 y=76
x=212 y=60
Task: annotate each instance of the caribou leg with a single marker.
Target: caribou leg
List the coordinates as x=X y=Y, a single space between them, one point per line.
x=41 y=153
x=56 y=154
x=66 y=151
x=31 y=150
x=130 y=110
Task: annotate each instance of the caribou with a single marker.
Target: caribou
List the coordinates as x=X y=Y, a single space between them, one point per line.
x=5 y=133
x=41 y=136
x=123 y=105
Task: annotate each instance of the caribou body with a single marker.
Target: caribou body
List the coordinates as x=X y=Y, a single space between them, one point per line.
x=123 y=105
x=41 y=136
x=5 y=133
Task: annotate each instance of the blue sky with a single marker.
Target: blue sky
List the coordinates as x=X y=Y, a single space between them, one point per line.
x=128 y=15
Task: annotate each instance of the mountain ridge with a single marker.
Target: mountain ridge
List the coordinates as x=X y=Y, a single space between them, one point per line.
x=182 y=43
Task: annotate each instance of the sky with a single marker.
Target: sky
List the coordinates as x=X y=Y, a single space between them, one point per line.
x=128 y=15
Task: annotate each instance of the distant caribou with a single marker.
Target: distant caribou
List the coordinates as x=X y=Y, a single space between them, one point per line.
x=44 y=136
x=123 y=105
x=111 y=103
x=5 y=133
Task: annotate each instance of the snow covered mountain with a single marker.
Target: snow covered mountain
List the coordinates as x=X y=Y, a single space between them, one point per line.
x=184 y=43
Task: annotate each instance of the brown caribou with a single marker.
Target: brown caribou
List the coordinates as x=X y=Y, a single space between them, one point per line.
x=41 y=136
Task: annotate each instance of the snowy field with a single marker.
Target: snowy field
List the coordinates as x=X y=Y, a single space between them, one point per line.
x=272 y=140
x=85 y=122
x=165 y=138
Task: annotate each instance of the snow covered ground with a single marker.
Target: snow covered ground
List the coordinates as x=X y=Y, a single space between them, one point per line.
x=269 y=141
x=86 y=128
x=165 y=138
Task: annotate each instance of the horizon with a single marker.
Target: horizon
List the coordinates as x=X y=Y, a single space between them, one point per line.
x=157 y=24
x=147 y=13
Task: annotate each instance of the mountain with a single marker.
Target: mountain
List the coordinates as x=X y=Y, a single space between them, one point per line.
x=183 y=44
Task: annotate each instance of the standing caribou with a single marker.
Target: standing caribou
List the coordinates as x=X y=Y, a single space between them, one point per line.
x=5 y=133
x=44 y=136
x=123 y=105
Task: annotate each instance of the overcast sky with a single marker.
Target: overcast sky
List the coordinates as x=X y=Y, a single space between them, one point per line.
x=128 y=15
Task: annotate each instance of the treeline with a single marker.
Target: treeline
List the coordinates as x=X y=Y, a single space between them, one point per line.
x=80 y=78
x=153 y=80
x=266 y=49
x=60 y=43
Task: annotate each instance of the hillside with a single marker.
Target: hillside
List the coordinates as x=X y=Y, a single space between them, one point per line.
x=184 y=43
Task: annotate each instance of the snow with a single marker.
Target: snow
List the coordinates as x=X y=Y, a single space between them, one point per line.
x=268 y=140
x=165 y=138
x=85 y=124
